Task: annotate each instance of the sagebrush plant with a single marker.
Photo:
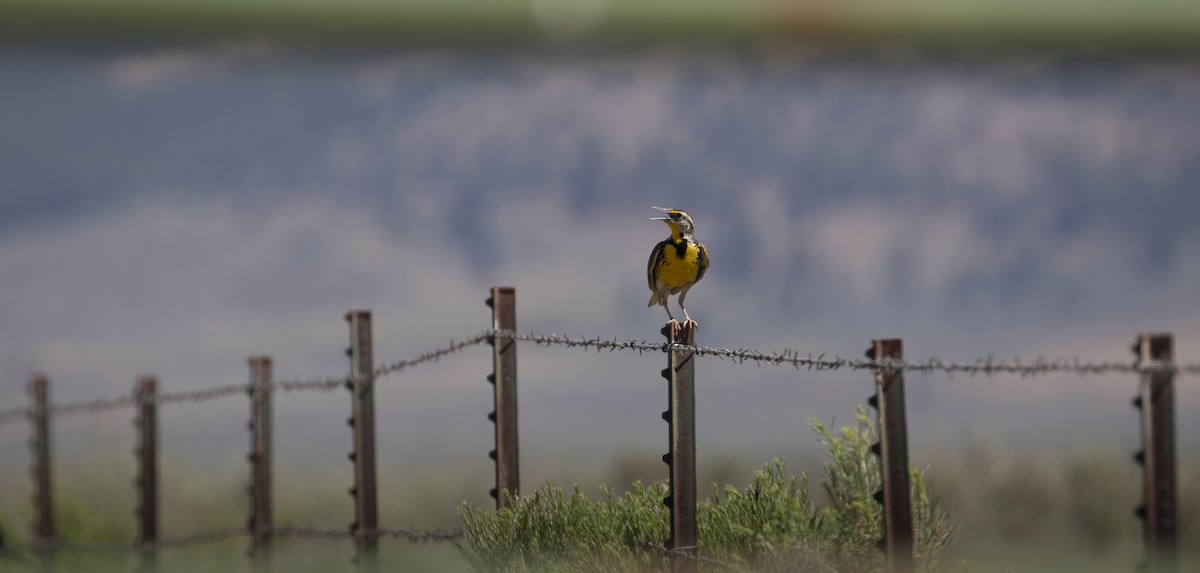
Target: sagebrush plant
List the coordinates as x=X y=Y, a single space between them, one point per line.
x=771 y=525
x=852 y=522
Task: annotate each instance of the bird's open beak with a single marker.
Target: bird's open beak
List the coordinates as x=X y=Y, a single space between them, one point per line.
x=660 y=218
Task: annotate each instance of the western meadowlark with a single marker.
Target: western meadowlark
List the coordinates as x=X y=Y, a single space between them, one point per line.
x=676 y=263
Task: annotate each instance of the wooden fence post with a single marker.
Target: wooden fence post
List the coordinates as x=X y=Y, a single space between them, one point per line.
x=503 y=301
x=892 y=449
x=681 y=419
x=362 y=387
x=147 y=480
x=1156 y=402
x=39 y=391
x=260 y=458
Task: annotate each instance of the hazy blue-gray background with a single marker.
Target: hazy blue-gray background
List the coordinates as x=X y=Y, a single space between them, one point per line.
x=172 y=208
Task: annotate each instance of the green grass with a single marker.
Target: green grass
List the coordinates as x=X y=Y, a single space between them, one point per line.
x=771 y=525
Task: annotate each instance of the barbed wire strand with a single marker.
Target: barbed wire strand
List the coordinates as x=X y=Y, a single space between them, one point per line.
x=989 y=366
x=326 y=384
x=63 y=545
x=411 y=535
x=985 y=366
x=687 y=553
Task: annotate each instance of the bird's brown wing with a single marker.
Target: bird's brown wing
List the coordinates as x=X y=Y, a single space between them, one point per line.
x=703 y=262
x=657 y=257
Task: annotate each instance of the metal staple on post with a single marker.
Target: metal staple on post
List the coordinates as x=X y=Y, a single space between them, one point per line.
x=893 y=453
x=681 y=458
x=147 y=454
x=260 y=457
x=504 y=380
x=362 y=387
x=1156 y=402
x=39 y=391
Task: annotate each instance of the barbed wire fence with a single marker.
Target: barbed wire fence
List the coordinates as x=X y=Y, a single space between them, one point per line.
x=1154 y=367
x=800 y=360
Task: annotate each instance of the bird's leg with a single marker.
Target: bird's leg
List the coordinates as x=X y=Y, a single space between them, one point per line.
x=686 y=319
x=672 y=324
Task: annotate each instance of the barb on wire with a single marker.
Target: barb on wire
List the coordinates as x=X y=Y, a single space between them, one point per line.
x=687 y=553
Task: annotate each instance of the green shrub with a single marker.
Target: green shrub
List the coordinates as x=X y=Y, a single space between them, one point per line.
x=852 y=522
x=772 y=525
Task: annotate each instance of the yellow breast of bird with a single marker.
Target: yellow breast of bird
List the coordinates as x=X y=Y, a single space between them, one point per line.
x=677 y=271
